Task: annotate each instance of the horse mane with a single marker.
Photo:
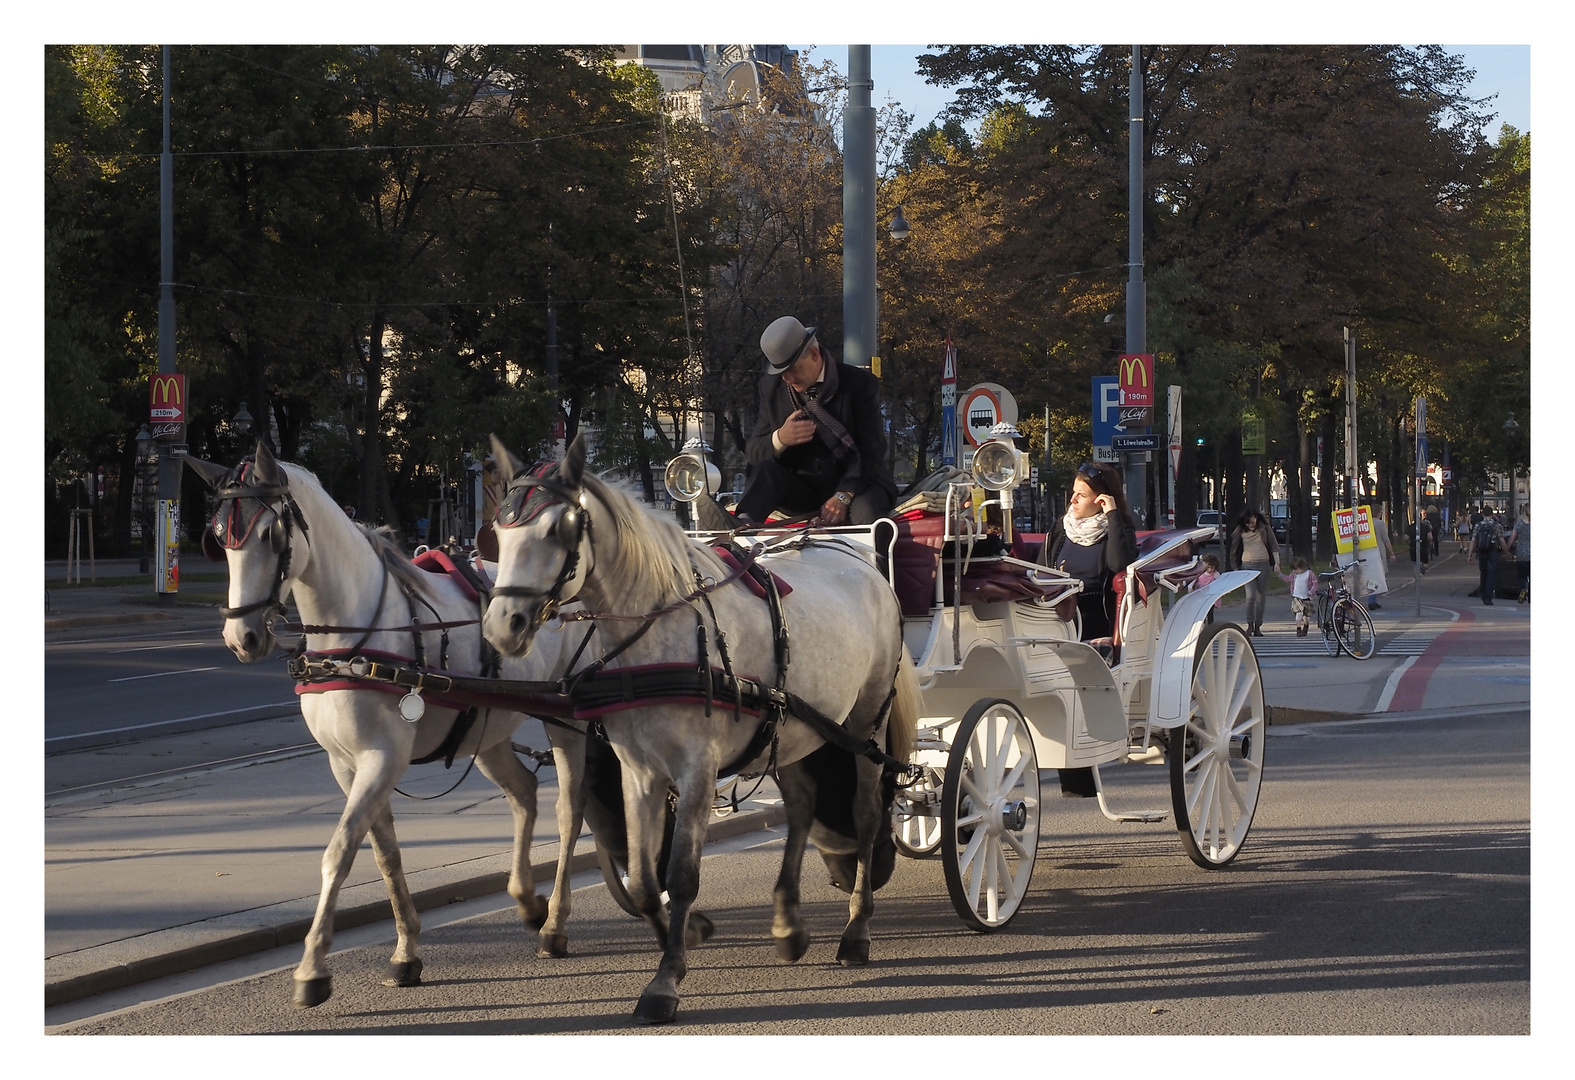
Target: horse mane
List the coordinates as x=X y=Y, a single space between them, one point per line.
x=656 y=559
x=381 y=537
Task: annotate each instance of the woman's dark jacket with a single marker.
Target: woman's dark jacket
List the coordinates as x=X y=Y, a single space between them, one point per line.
x=1233 y=560
x=1097 y=604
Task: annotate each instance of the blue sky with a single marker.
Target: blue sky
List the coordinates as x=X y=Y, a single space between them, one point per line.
x=1504 y=70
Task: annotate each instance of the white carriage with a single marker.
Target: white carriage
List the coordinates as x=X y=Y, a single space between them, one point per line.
x=1009 y=689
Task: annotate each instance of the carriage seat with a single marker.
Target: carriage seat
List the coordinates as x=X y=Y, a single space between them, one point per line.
x=917 y=558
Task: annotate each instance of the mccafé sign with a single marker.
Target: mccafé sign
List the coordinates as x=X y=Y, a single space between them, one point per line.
x=167 y=399
x=1135 y=380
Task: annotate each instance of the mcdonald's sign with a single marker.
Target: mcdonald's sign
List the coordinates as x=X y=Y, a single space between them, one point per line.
x=167 y=399
x=1135 y=379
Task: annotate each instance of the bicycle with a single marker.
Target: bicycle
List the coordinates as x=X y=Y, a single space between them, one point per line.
x=1343 y=621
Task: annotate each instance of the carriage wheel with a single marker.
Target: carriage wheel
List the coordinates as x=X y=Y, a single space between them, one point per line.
x=612 y=874
x=1216 y=759
x=919 y=835
x=1355 y=627
x=990 y=815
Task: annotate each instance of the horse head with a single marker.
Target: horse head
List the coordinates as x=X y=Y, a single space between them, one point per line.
x=543 y=538
x=259 y=531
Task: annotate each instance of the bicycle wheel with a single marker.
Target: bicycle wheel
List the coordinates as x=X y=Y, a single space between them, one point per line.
x=1355 y=628
x=1326 y=626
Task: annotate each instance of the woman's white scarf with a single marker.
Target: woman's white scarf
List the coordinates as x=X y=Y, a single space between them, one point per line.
x=1085 y=531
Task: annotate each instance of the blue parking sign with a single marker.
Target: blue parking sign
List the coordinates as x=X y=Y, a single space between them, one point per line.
x=1107 y=409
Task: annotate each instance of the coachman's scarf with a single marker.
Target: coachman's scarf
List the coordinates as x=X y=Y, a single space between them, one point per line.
x=831 y=432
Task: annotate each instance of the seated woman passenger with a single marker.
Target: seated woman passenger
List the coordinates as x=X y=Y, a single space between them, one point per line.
x=1094 y=541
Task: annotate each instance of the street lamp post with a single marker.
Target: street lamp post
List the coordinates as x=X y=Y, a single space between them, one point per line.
x=1510 y=427
x=147 y=480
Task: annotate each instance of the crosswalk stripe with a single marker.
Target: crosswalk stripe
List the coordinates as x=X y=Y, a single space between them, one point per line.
x=1410 y=642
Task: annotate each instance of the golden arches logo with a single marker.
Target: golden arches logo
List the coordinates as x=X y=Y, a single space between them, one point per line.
x=1133 y=371
x=165 y=390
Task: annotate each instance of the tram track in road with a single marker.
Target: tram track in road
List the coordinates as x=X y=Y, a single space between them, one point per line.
x=67 y=796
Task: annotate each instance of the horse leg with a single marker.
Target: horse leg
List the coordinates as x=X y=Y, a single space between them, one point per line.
x=499 y=764
x=568 y=754
x=404 y=967
x=644 y=804
x=659 y=1001
x=868 y=818
x=797 y=787
x=366 y=783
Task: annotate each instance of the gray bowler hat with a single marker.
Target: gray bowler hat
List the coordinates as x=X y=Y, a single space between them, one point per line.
x=783 y=342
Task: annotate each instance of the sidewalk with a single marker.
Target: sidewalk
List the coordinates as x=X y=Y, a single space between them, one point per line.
x=151 y=881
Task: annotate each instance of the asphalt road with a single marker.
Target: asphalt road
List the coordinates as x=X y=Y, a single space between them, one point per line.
x=1385 y=889
x=119 y=684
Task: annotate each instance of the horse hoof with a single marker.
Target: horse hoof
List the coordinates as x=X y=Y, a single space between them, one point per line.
x=656 y=1008
x=792 y=948
x=552 y=946
x=403 y=973
x=310 y=993
x=700 y=929
x=853 y=953
x=534 y=914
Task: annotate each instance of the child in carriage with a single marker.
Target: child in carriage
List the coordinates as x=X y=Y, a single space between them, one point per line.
x=1304 y=589
x=1211 y=570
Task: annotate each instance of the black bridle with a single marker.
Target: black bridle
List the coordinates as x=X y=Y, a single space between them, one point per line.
x=222 y=534
x=530 y=492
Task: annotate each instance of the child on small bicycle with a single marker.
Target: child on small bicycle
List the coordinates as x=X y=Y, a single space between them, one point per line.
x=1304 y=590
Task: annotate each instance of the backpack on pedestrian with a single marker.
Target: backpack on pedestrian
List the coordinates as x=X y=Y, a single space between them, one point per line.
x=1486 y=543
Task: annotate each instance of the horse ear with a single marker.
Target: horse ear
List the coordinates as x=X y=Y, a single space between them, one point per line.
x=573 y=467
x=506 y=461
x=210 y=472
x=267 y=468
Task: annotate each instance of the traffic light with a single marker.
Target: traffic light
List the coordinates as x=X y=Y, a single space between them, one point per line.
x=1200 y=440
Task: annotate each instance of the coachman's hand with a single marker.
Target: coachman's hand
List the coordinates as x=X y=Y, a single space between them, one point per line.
x=796 y=429
x=834 y=512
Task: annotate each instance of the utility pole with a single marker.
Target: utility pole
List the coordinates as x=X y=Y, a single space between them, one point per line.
x=859 y=315
x=167 y=520
x=1137 y=290
x=1352 y=462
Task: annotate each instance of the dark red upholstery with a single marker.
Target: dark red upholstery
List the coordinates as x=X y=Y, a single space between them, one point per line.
x=436 y=561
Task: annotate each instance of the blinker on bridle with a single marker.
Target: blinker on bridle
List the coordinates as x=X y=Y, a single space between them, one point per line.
x=529 y=493
x=275 y=497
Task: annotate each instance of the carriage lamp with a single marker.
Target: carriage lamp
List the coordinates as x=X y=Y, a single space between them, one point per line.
x=690 y=475
x=998 y=466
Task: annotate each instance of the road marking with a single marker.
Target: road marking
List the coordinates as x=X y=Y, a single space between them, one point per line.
x=1389 y=687
x=161 y=674
x=175 y=720
x=153 y=648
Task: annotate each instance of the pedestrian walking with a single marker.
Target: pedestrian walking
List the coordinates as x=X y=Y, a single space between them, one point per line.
x=1463 y=530
x=1520 y=543
x=1422 y=541
x=1487 y=544
x=1253 y=547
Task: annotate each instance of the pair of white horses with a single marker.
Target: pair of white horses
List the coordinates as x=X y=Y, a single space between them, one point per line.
x=579 y=541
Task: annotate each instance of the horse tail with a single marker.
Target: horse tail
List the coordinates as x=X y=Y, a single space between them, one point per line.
x=902 y=726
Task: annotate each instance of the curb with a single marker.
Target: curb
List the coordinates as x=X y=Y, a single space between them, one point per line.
x=154 y=956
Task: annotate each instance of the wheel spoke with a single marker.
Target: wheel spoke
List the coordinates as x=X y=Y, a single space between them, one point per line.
x=1238 y=701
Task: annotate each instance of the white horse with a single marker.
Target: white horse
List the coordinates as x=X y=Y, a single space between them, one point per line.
x=563 y=534
x=282 y=536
